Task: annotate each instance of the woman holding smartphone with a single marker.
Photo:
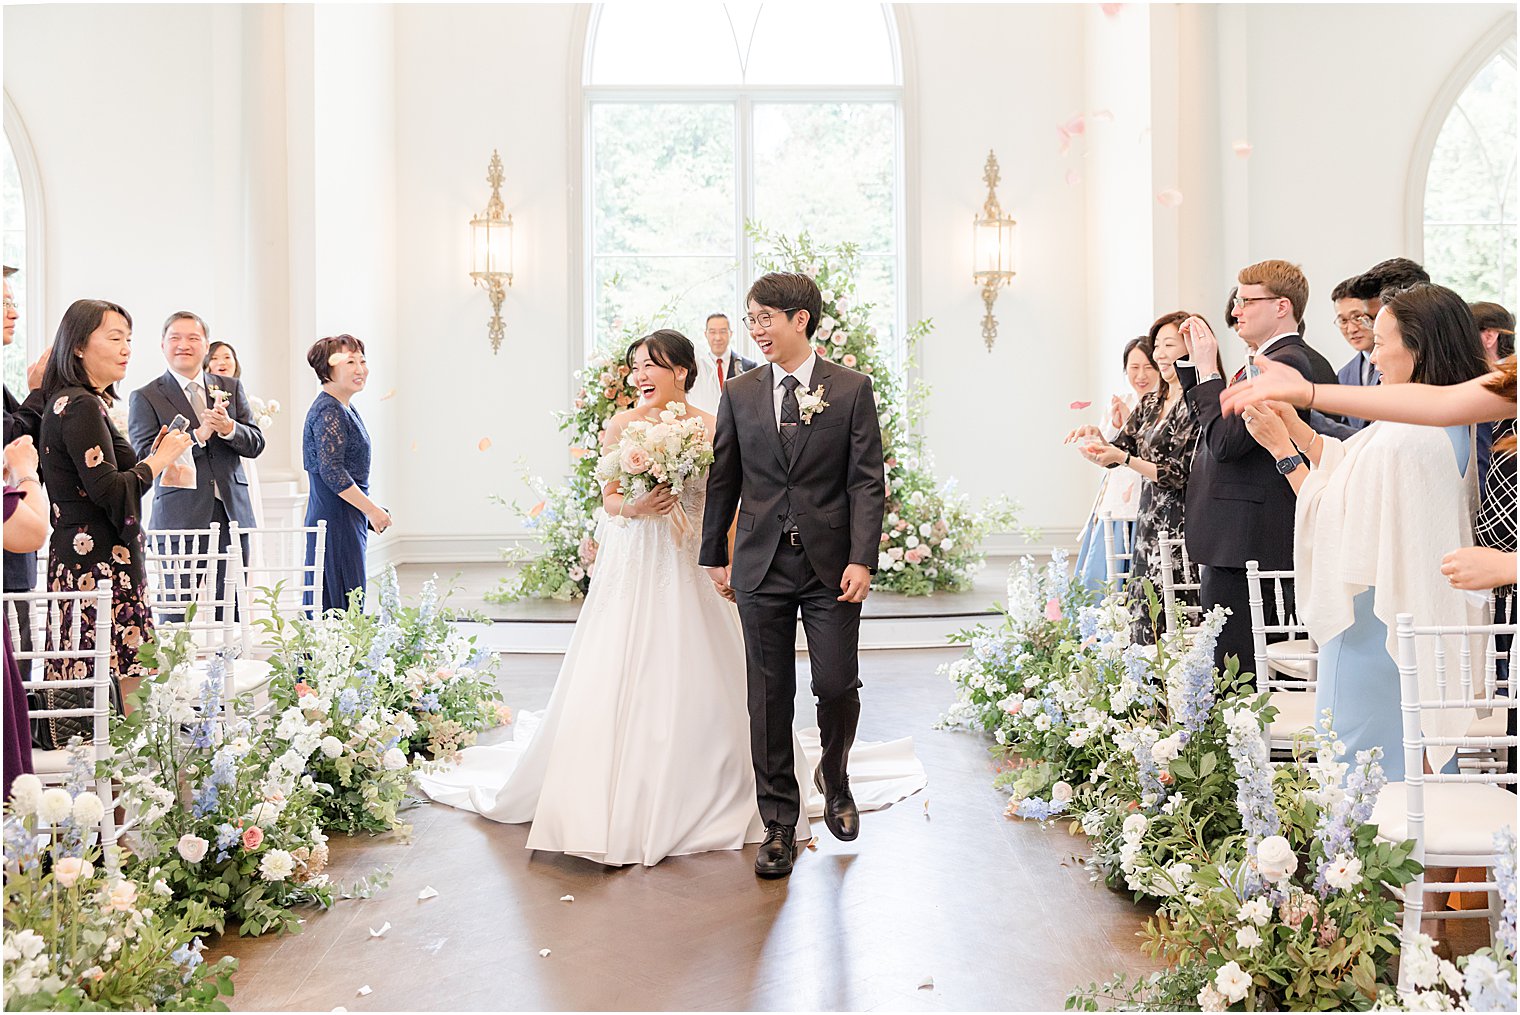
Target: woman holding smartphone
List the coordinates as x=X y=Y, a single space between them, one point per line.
x=96 y=485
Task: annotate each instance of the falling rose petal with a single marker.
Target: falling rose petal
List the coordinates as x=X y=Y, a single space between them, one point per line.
x=1080 y=405
x=567 y=898
x=544 y=953
x=1169 y=198
x=1103 y=115
x=537 y=509
x=1053 y=610
x=1075 y=126
x=927 y=983
x=414 y=445
x=381 y=932
x=485 y=444
x=1065 y=141
x=364 y=991
x=427 y=893
x=391 y=393
x=336 y=358
x=1242 y=149
x=1110 y=10
x=1072 y=177
x=579 y=452
x=813 y=845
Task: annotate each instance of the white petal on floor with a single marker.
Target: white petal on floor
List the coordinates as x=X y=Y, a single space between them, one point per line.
x=567 y=898
x=364 y=991
x=427 y=893
x=381 y=932
x=927 y=983
x=543 y=953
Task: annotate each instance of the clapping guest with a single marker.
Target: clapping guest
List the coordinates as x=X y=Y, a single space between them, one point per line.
x=1374 y=517
x=1119 y=492
x=222 y=361
x=1156 y=443
x=335 y=450
x=25 y=532
x=96 y=483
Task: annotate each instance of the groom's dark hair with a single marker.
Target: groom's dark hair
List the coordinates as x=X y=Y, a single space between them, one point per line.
x=790 y=291
x=670 y=349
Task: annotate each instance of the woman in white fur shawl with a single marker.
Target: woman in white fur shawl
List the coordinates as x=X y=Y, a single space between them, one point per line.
x=1376 y=513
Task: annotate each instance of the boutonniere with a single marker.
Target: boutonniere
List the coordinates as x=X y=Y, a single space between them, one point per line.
x=810 y=403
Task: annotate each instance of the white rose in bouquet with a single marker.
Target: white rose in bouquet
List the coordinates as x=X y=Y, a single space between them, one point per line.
x=394 y=760
x=192 y=848
x=1275 y=859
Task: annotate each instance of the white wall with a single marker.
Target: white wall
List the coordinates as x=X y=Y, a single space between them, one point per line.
x=293 y=171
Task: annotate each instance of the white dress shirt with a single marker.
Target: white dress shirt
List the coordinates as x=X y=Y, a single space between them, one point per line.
x=1262 y=349
x=184 y=384
x=804 y=375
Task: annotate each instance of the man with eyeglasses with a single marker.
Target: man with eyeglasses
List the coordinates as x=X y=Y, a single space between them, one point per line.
x=1238 y=507
x=22 y=419
x=1353 y=320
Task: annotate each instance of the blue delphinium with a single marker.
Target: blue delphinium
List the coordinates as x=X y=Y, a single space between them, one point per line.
x=1337 y=825
x=1504 y=875
x=1087 y=622
x=429 y=702
x=188 y=956
x=1036 y=809
x=1253 y=776
x=348 y=702
x=20 y=845
x=206 y=800
x=202 y=734
x=1192 y=689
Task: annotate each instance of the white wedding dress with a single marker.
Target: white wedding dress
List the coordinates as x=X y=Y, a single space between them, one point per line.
x=644 y=749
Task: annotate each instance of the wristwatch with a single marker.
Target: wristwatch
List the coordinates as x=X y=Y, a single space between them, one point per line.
x=1287 y=465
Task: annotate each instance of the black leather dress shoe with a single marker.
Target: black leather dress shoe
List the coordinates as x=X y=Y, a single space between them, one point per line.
x=839 y=810
x=774 y=860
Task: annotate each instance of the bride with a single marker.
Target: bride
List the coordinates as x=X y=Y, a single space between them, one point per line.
x=644 y=749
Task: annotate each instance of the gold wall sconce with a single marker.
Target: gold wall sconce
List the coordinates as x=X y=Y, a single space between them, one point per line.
x=992 y=249
x=491 y=265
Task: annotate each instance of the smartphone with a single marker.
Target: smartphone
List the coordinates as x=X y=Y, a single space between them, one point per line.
x=179 y=422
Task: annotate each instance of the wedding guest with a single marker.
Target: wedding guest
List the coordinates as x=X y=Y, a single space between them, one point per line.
x=1238 y=507
x=1374 y=518
x=224 y=431
x=96 y=483
x=1353 y=319
x=335 y=450
x=1119 y=492
x=718 y=366
x=1320 y=371
x=1394 y=273
x=222 y=361
x=1496 y=327
x=1157 y=443
x=25 y=532
x=22 y=419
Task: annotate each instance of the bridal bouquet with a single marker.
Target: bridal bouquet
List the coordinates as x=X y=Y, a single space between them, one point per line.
x=671 y=451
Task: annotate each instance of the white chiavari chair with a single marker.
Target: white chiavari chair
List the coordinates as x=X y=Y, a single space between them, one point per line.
x=1177 y=575
x=1118 y=548
x=1289 y=669
x=1451 y=816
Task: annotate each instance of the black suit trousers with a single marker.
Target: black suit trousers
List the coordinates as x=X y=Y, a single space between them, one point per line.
x=769 y=618
x=1226 y=586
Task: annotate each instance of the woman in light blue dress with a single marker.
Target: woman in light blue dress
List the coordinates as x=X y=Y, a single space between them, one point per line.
x=1375 y=519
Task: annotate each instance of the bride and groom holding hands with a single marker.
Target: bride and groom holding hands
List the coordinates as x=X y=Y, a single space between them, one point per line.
x=670 y=727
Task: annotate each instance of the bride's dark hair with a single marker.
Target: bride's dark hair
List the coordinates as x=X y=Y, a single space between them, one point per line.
x=670 y=349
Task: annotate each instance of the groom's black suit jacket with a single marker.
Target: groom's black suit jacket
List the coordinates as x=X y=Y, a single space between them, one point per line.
x=834 y=487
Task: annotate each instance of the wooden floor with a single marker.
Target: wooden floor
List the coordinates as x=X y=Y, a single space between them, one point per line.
x=997 y=913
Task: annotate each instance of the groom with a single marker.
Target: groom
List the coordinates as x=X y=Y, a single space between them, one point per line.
x=798 y=455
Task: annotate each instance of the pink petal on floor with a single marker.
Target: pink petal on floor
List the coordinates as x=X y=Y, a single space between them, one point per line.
x=1170 y=198
x=1243 y=149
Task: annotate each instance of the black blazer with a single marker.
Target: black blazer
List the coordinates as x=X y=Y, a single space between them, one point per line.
x=155 y=404
x=1239 y=507
x=835 y=486
x=22 y=419
x=737 y=365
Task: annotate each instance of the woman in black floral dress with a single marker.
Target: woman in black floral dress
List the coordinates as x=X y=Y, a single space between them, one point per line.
x=96 y=485
x=1157 y=441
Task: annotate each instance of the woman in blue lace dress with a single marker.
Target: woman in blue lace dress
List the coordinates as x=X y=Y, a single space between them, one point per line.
x=335 y=451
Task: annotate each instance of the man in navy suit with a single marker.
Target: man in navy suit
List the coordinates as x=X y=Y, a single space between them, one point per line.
x=1238 y=506
x=224 y=431
x=1353 y=318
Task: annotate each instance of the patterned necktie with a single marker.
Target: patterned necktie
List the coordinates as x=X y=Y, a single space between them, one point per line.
x=1366 y=372
x=790 y=418
x=197 y=401
x=719 y=361
x=1240 y=375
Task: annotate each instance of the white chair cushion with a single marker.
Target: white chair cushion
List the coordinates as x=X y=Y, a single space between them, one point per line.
x=1461 y=818
x=1297 y=668
x=250 y=675
x=46 y=763
x=1295 y=713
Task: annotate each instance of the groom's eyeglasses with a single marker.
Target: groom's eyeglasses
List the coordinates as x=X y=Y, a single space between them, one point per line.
x=764 y=317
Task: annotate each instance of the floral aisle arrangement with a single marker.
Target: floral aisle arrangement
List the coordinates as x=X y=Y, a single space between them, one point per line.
x=333 y=690
x=226 y=817
x=1294 y=914
x=1128 y=740
x=447 y=682
x=931 y=534
x=81 y=936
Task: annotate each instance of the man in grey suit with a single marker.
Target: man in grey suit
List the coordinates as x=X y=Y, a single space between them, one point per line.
x=223 y=427
x=798 y=456
x=1353 y=318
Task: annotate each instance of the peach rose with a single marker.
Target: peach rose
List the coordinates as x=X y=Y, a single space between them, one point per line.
x=634 y=461
x=253 y=837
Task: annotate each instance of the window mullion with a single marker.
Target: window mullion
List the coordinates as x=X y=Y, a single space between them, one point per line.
x=744 y=166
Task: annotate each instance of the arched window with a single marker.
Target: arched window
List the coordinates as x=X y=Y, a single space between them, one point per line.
x=1470 y=189
x=21 y=246
x=701 y=117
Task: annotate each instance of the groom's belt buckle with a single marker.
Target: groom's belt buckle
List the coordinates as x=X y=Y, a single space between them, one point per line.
x=793 y=537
